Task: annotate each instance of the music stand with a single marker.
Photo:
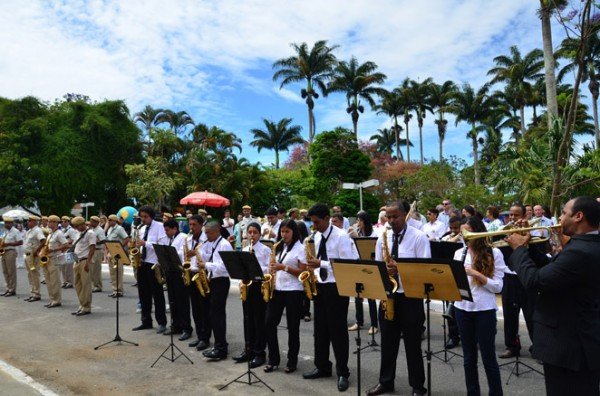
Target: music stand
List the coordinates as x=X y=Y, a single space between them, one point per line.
x=117 y=253
x=366 y=251
x=169 y=260
x=361 y=279
x=441 y=279
x=244 y=266
x=267 y=242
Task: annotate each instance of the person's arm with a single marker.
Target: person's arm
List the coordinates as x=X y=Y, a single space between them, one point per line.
x=92 y=240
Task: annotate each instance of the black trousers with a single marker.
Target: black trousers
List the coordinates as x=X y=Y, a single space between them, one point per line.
x=219 y=290
x=292 y=302
x=453 y=333
x=179 y=302
x=409 y=317
x=360 y=316
x=305 y=306
x=561 y=381
x=200 y=311
x=515 y=298
x=331 y=315
x=149 y=289
x=254 y=309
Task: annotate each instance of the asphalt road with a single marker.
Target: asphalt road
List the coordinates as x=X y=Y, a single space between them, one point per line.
x=57 y=350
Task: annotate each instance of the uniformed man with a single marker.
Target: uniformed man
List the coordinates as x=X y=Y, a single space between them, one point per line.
x=96 y=267
x=44 y=226
x=67 y=269
x=12 y=239
x=57 y=243
x=34 y=241
x=84 y=248
x=116 y=232
x=246 y=219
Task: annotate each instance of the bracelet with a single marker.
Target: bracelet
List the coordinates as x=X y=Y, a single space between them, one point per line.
x=286 y=269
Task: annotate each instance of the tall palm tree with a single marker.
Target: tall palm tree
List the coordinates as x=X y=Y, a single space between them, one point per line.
x=405 y=97
x=148 y=118
x=440 y=97
x=178 y=121
x=315 y=66
x=277 y=137
x=214 y=139
x=419 y=92
x=385 y=139
x=392 y=106
x=519 y=73
x=357 y=81
x=472 y=107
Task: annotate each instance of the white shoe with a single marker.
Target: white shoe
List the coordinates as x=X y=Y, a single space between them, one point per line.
x=373 y=330
x=354 y=327
x=138 y=310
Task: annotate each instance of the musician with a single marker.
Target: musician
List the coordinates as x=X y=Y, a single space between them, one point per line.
x=44 y=226
x=433 y=228
x=176 y=289
x=247 y=218
x=96 y=267
x=290 y=259
x=270 y=228
x=67 y=269
x=305 y=300
x=116 y=232
x=84 y=248
x=57 y=243
x=255 y=307
x=403 y=241
x=148 y=287
x=200 y=305
x=12 y=239
x=453 y=235
x=34 y=241
x=219 y=287
x=567 y=313
x=331 y=309
x=477 y=320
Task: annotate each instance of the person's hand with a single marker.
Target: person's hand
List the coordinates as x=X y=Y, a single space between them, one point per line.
x=470 y=271
x=392 y=269
x=86 y=267
x=313 y=263
x=515 y=240
x=140 y=242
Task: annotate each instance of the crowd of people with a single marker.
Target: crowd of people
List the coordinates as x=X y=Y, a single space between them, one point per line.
x=555 y=285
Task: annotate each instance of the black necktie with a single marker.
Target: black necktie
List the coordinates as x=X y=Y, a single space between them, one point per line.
x=143 y=253
x=322 y=255
x=395 y=244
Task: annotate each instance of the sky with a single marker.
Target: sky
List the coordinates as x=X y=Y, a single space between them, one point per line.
x=214 y=59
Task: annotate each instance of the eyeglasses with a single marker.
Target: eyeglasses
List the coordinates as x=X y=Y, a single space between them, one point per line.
x=446 y=203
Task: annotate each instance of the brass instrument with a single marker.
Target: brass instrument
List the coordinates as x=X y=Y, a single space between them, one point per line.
x=2 y=247
x=267 y=287
x=134 y=252
x=43 y=254
x=469 y=236
x=454 y=237
x=186 y=266
x=201 y=278
x=387 y=306
x=158 y=274
x=308 y=277
x=245 y=284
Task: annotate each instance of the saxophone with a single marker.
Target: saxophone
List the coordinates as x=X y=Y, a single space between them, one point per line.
x=134 y=252
x=2 y=247
x=158 y=274
x=245 y=284
x=308 y=277
x=200 y=279
x=43 y=255
x=268 y=285
x=187 y=265
x=387 y=306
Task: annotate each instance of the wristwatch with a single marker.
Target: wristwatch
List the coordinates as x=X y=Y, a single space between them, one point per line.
x=286 y=268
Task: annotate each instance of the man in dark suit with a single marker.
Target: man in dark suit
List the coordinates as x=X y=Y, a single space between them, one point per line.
x=567 y=314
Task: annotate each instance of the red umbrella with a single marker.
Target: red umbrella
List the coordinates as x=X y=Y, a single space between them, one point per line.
x=205 y=198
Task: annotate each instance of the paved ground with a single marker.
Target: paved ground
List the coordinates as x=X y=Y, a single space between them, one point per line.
x=57 y=350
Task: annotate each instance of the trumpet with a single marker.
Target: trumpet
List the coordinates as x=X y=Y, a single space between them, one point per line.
x=308 y=277
x=470 y=236
x=387 y=306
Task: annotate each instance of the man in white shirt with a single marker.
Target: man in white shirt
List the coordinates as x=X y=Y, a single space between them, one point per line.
x=337 y=209
x=538 y=211
x=12 y=239
x=116 y=232
x=67 y=269
x=84 y=248
x=270 y=228
x=34 y=241
x=57 y=243
x=228 y=222
x=444 y=216
x=434 y=229
x=247 y=218
x=96 y=268
x=331 y=309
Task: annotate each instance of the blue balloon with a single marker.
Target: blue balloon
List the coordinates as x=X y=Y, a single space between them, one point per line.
x=127 y=213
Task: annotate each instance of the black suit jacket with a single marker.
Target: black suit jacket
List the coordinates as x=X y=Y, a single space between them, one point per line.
x=567 y=314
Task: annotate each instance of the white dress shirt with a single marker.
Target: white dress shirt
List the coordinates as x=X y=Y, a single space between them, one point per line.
x=274 y=228
x=212 y=259
x=434 y=230
x=418 y=224
x=177 y=242
x=71 y=234
x=285 y=281
x=444 y=218
x=339 y=245
x=414 y=244
x=155 y=234
x=484 y=297
x=263 y=255
x=12 y=236
x=33 y=239
x=100 y=235
x=193 y=244
x=116 y=233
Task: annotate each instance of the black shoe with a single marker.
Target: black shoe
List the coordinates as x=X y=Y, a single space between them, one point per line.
x=112 y=295
x=194 y=343
x=203 y=346
x=452 y=344
x=269 y=368
x=185 y=336
x=5 y=293
x=257 y=361
x=379 y=389
x=242 y=357
x=75 y=313
x=316 y=373
x=32 y=299
x=10 y=294
x=207 y=351
x=215 y=355
x=82 y=313
x=343 y=383
x=161 y=329
x=142 y=327
x=508 y=354
x=54 y=305
x=47 y=305
x=134 y=285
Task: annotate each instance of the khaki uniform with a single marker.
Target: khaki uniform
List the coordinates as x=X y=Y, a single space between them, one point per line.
x=96 y=265
x=51 y=273
x=9 y=259
x=83 y=283
x=33 y=240
x=243 y=227
x=67 y=270
x=116 y=233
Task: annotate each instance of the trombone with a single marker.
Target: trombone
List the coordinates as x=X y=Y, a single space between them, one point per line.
x=552 y=230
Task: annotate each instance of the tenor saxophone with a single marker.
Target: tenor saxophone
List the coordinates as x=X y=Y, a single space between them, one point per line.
x=134 y=252
x=308 y=277
x=245 y=284
x=187 y=265
x=267 y=287
x=158 y=274
x=387 y=306
x=200 y=279
x=44 y=258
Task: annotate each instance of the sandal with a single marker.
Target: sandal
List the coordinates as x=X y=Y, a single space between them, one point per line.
x=270 y=368
x=289 y=370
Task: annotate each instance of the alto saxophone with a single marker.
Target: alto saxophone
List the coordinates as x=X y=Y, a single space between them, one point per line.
x=245 y=284
x=186 y=266
x=43 y=254
x=158 y=274
x=387 y=306
x=308 y=277
x=267 y=287
x=201 y=279
x=134 y=252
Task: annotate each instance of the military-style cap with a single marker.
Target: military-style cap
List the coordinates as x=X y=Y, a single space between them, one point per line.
x=77 y=221
x=246 y=207
x=44 y=217
x=7 y=219
x=95 y=218
x=65 y=218
x=34 y=217
x=113 y=217
x=167 y=214
x=202 y=211
x=54 y=218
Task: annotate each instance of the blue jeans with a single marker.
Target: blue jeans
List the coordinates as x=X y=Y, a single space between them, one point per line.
x=479 y=328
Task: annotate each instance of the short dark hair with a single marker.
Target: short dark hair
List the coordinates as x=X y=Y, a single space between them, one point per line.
x=520 y=206
x=455 y=219
x=198 y=218
x=320 y=210
x=281 y=211
x=493 y=211
x=271 y=211
x=590 y=209
x=254 y=224
x=469 y=209
x=338 y=216
x=434 y=211
x=401 y=204
x=149 y=210
x=171 y=223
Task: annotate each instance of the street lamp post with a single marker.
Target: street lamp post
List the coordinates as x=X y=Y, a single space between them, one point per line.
x=360 y=186
x=86 y=205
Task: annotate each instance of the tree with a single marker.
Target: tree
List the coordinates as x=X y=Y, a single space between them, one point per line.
x=150 y=182
x=148 y=118
x=357 y=81
x=277 y=137
x=440 y=98
x=406 y=100
x=315 y=66
x=214 y=138
x=419 y=93
x=385 y=140
x=178 y=121
x=391 y=105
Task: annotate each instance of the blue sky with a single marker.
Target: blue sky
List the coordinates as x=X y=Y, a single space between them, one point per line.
x=213 y=59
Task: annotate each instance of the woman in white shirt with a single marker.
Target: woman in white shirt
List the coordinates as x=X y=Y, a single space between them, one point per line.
x=477 y=320
x=290 y=261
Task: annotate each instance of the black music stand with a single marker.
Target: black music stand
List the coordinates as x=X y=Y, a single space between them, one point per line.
x=244 y=266
x=361 y=279
x=118 y=254
x=169 y=260
x=267 y=242
x=366 y=251
x=433 y=278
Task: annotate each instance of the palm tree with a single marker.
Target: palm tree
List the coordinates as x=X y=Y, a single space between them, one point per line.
x=419 y=92
x=178 y=121
x=385 y=139
x=392 y=106
x=440 y=97
x=518 y=72
x=148 y=117
x=472 y=107
x=406 y=100
x=315 y=66
x=214 y=139
x=277 y=137
x=357 y=81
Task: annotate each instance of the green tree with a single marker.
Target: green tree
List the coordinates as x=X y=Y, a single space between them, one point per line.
x=419 y=94
x=385 y=139
x=150 y=182
x=391 y=105
x=178 y=121
x=148 y=118
x=278 y=137
x=440 y=98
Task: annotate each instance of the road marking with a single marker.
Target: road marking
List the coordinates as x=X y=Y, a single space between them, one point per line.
x=23 y=378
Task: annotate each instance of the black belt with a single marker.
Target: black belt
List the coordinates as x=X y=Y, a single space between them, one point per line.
x=100 y=243
x=27 y=254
